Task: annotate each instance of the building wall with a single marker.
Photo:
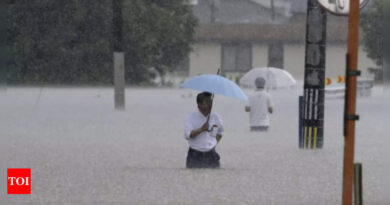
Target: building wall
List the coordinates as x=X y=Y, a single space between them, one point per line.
x=294 y=60
x=335 y=60
x=260 y=55
x=234 y=11
x=294 y=57
x=205 y=58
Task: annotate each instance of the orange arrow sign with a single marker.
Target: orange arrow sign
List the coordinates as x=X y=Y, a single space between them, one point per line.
x=328 y=81
x=340 y=79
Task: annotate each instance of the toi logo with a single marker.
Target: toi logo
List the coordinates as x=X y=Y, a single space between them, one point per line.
x=18 y=181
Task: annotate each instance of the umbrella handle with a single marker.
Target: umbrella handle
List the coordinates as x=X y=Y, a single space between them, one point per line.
x=209 y=130
x=212 y=96
x=212 y=99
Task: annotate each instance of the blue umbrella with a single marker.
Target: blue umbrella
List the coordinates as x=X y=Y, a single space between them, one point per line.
x=215 y=84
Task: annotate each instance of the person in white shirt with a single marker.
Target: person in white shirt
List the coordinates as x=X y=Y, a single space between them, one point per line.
x=203 y=131
x=259 y=108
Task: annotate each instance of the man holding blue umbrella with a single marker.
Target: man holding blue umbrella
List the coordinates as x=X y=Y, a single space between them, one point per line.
x=203 y=130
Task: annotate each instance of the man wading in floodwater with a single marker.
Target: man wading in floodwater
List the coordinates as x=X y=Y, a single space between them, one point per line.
x=203 y=130
x=259 y=108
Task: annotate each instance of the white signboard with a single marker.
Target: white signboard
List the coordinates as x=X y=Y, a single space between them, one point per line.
x=339 y=7
x=191 y=2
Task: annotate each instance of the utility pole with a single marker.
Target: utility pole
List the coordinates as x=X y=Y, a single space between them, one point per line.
x=272 y=10
x=386 y=49
x=213 y=10
x=314 y=84
x=350 y=101
x=4 y=50
x=119 y=56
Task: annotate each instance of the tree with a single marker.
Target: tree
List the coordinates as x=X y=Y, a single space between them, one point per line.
x=158 y=33
x=70 y=41
x=372 y=23
x=10 y=55
x=63 y=41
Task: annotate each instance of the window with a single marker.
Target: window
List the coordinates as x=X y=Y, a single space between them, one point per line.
x=236 y=57
x=275 y=55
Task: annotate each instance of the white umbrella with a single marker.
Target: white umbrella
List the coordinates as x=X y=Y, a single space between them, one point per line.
x=274 y=77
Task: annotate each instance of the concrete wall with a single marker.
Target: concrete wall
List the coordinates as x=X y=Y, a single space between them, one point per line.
x=205 y=58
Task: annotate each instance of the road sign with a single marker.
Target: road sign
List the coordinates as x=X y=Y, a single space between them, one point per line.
x=328 y=81
x=340 y=79
x=339 y=7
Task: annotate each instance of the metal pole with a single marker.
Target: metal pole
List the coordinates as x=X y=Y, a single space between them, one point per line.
x=358 y=185
x=350 y=108
x=386 y=45
x=119 y=57
x=212 y=10
x=300 y=114
x=272 y=10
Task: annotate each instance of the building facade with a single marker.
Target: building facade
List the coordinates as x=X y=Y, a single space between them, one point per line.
x=250 y=37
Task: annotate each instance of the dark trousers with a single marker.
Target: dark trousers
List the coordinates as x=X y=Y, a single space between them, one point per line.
x=197 y=159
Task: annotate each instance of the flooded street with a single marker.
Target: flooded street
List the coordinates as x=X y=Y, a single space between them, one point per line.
x=81 y=151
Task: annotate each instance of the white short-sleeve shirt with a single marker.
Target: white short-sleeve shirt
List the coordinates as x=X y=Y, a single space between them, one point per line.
x=259 y=103
x=205 y=141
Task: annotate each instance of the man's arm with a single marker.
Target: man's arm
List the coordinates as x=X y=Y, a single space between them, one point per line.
x=220 y=130
x=196 y=132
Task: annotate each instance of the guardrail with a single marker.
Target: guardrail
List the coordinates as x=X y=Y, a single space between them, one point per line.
x=364 y=87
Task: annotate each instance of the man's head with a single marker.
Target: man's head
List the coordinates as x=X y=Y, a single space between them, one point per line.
x=204 y=102
x=260 y=82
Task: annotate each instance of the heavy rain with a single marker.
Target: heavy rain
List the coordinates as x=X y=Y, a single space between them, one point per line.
x=221 y=102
